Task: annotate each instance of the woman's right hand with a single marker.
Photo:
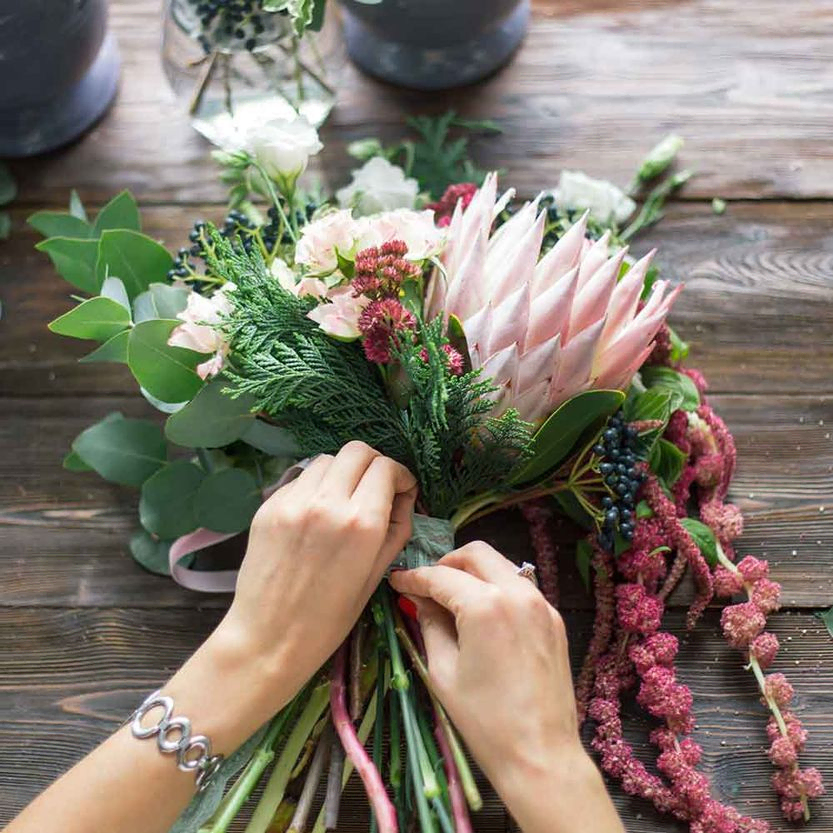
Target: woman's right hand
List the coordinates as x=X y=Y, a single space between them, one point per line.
x=497 y=657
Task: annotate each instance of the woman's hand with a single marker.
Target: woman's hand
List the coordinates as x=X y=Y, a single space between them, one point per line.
x=497 y=656
x=317 y=550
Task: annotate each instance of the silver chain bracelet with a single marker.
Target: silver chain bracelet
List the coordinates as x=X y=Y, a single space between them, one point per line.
x=193 y=752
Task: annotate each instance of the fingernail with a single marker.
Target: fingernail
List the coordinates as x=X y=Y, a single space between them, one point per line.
x=407 y=607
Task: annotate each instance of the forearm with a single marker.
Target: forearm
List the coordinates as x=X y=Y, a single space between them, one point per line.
x=565 y=796
x=226 y=693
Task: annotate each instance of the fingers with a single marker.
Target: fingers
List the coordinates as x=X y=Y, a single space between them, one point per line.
x=484 y=562
x=310 y=478
x=348 y=468
x=440 y=637
x=449 y=587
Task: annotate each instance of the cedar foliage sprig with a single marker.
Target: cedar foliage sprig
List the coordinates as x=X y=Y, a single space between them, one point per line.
x=327 y=393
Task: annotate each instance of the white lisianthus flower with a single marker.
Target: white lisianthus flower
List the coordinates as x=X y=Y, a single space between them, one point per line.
x=378 y=186
x=282 y=147
x=415 y=228
x=606 y=202
x=321 y=239
x=201 y=329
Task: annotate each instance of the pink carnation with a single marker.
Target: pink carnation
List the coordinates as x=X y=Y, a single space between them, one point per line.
x=742 y=623
x=764 y=648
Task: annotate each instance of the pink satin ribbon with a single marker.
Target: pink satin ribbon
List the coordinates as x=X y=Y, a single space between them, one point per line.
x=215 y=581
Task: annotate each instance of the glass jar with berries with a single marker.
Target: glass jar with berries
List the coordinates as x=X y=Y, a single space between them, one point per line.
x=236 y=63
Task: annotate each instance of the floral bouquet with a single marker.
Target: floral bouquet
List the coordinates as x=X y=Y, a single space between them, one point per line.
x=510 y=355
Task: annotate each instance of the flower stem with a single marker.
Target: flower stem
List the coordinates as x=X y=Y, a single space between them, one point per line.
x=316 y=769
x=469 y=785
x=261 y=758
x=362 y=733
x=381 y=804
x=378 y=725
x=276 y=786
x=273 y=196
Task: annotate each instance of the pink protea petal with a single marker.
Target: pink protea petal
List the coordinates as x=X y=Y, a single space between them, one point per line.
x=502 y=368
x=550 y=311
x=593 y=258
x=538 y=364
x=513 y=264
x=575 y=365
x=617 y=374
x=625 y=298
x=507 y=323
x=466 y=293
x=561 y=258
x=592 y=299
x=533 y=404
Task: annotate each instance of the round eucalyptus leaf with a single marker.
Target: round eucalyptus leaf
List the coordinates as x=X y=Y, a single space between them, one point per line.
x=166 y=507
x=227 y=501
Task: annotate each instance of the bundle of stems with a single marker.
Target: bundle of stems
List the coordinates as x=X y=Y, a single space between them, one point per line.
x=377 y=682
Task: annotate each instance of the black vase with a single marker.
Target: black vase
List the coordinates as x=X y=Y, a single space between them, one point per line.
x=433 y=44
x=60 y=69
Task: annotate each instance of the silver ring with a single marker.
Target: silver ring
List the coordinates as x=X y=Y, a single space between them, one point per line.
x=527 y=570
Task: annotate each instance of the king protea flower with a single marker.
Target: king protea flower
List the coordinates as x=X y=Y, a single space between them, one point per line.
x=543 y=329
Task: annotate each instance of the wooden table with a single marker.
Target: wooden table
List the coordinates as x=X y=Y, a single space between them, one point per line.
x=84 y=632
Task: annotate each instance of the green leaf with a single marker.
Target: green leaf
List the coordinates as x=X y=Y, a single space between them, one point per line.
x=74 y=260
x=679 y=348
x=684 y=391
x=76 y=207
x=164 y=407
x=568 y=503
x=431 y=539
x=8 y=186
x=211 y=419
x=227 y=501
x=160 y=300
x=114 y=350
x=120 y=213
x=584 y=558
x=703 y=537
x=667 y=461
x=151 y=552
x=165 y=372
x=126 y=451
x=654 y=403
x=167 y=504
x=60 y=224
x=555 y=439
x=113 y=288
x=72 y=462
x=643 y=510
x=135 y=258
x=826 y=617
x=270 y=439
x=96 y=318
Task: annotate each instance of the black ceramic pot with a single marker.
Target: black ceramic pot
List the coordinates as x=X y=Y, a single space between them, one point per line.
x=59 y=68
x=433 y=44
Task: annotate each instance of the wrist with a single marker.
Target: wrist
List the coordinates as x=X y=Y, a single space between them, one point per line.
x=560 y=793
x=229 y=688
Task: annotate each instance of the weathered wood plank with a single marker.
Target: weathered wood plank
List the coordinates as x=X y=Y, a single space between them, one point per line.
x=65 y=535
x=758 y=308
x=70 y=676
x=749 y=85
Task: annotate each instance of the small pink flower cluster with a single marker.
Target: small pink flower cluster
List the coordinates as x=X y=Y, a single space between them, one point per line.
x=443 y=208
x=538 y=515
x=381 y=323
x=380 y=271
x=743 y=625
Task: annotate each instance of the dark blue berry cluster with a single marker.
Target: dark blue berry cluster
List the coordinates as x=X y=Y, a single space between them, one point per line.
x=230 y=19
x=617 y=450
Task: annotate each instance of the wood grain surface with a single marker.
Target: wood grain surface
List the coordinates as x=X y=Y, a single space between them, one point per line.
x=84 y=632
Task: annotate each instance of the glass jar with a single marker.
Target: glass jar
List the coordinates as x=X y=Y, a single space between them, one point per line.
x=234 y=69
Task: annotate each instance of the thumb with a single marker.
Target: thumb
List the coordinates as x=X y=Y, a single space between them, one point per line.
x=440 y=636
